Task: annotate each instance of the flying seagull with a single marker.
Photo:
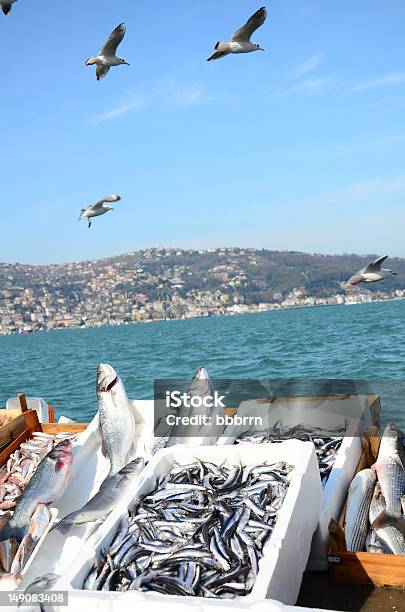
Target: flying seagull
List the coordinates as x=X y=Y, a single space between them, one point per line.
x=6 y=5
x=240 y=41
x=106 y=56
x=99 y=208
x=372 y=273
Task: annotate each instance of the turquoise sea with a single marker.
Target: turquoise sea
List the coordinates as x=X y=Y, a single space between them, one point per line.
x=339 y=342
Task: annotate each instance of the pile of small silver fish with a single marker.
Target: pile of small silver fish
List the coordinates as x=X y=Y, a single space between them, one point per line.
x=21 y=465
x=326 y=443
x=375 y=519
x=200 y=532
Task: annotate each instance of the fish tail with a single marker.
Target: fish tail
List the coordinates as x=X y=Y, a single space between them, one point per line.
x=63 y=527
x=385 y=519
x=8 y=532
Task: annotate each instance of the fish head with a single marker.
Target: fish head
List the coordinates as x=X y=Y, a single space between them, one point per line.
x=62 y=455
x=391 y=431
x=107 y=378
x=43 y=583
x=134 y=467
x=391 y=444
x=200 y=384
x=201 y=374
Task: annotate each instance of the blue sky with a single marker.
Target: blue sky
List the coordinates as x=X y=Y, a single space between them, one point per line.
x=300 y=148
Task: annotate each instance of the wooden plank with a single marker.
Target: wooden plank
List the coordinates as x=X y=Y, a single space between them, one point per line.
x=51 y=413
x=13 y=412
x=22 y=400
x=6 y=416
x=12 y=429
x=366 y=568
x=16 y=443
x=30 y=423
x=230 y=411
x=54 y=428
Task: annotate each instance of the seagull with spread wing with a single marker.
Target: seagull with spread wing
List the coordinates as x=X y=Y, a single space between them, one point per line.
x=106 y=56
x=240 y=41
x=371 y=273
x=99 y=208
x=6 y=5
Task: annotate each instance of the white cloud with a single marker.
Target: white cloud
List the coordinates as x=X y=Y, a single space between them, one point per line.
x=308 y=66
x=395 y=139
x=134 y=103
x=308 y=87
x=167 y=92
x=387 y=80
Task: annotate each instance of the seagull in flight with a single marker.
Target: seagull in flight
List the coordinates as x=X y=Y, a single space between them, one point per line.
x=240 y=41
x=99 y=208
x=371 y=273
x=6 y=5
x=106 y=56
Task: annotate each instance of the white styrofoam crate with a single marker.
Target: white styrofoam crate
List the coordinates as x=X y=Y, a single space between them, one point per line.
x=285 y=555
x=89 y=469
x=109 y=602
x=326 y=412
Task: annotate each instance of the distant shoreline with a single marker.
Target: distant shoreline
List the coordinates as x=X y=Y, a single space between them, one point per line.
x=206 y=316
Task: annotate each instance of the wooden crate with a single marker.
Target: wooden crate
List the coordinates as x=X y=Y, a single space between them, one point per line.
x=21 y=428
x=15 y=432
x=362 y=567
x=22 y=400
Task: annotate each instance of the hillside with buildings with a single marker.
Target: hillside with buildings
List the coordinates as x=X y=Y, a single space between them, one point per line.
x=174 y=283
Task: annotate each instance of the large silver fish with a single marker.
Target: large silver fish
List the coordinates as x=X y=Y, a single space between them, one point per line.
x=357 y=512
x=193 y=435
x=389 y=536
x=46 y=486
x=116 y=418
x=391 y=476
x=109 y=494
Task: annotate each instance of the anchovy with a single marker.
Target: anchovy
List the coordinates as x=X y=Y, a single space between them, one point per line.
x=327 y=443
x=202 y=545
x=116 y=418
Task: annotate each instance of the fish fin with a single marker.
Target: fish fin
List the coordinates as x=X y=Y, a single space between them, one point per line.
x=7 y=532
x=63 y=527
x=399 y=462
x=385 y=519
